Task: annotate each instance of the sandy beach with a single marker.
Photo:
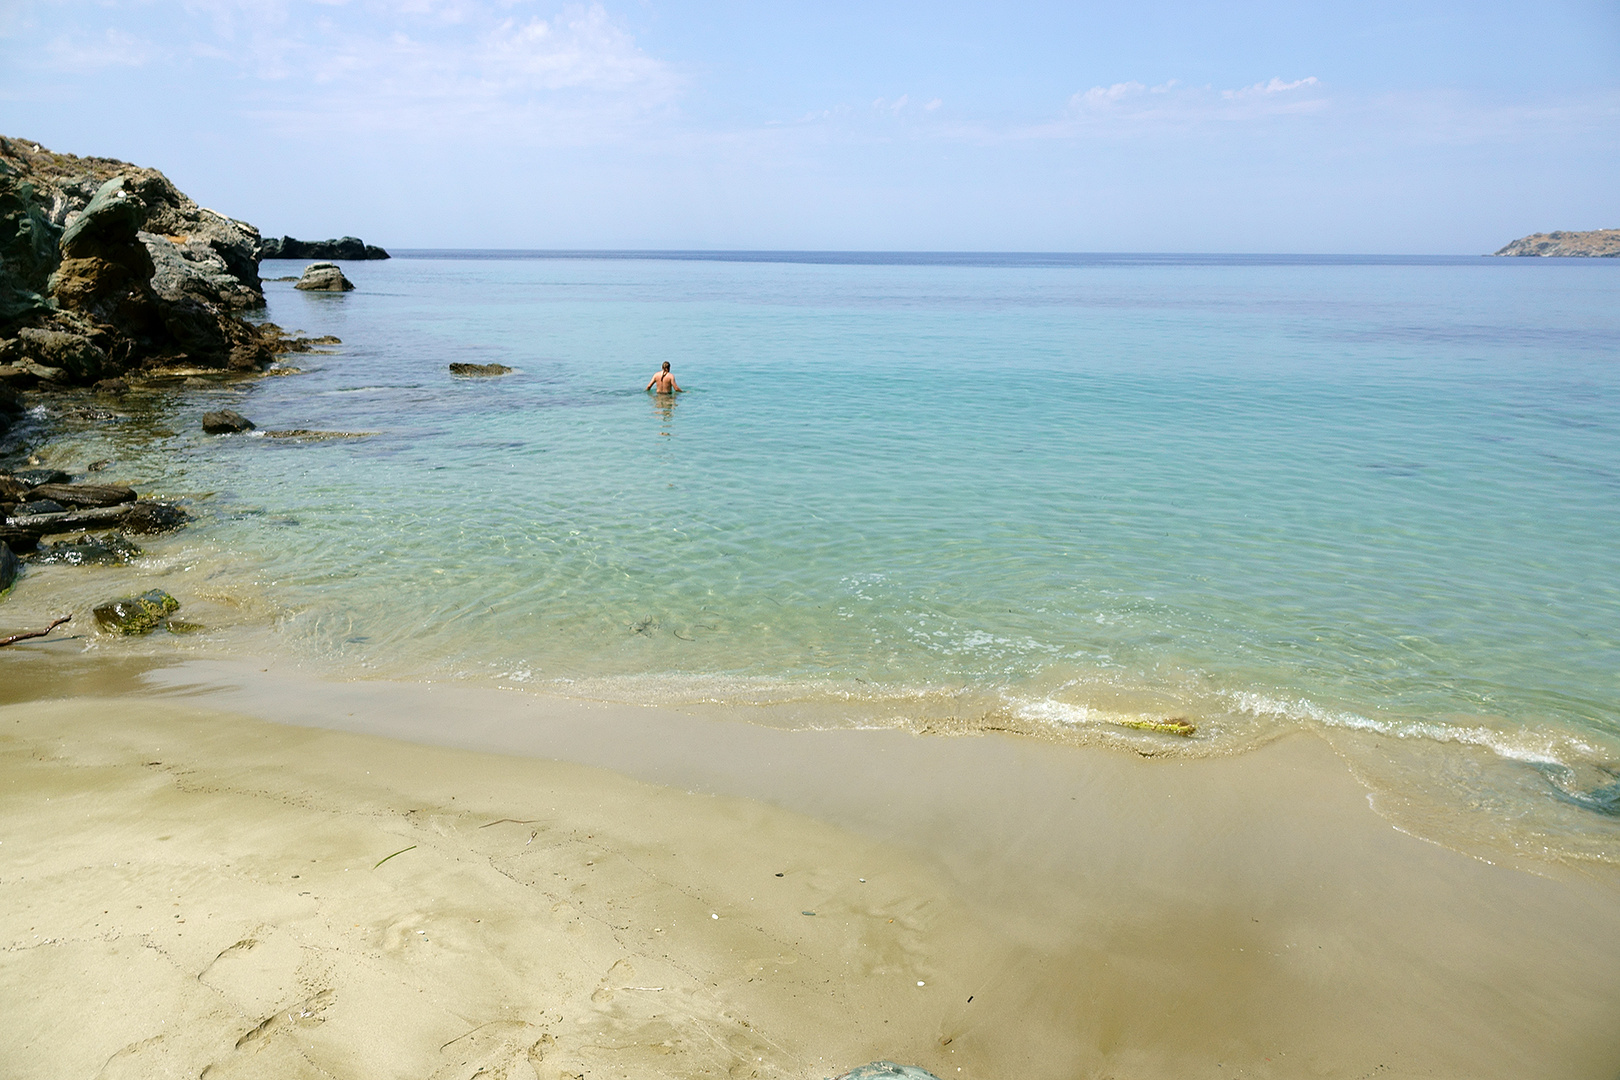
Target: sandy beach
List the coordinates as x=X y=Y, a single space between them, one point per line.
x=515 y=885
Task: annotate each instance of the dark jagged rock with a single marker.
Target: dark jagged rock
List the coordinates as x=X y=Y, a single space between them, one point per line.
x=35 y=477
x=225 y=422
x=136 y=614
x=39 y=506
x=109 y=550
x=105 y=267
x=348 y=247
x=10 y=567
x=84 y=496
x=19 y=539
x=13 y=490
x=324 y=277
x=281 y=342
x=146 y=518
x=73 y=356
x=479 y=369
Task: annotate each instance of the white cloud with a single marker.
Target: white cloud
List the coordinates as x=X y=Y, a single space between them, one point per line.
x=1275 y=86
x=1100 y=97
x=521 y=67
x=1129 y=107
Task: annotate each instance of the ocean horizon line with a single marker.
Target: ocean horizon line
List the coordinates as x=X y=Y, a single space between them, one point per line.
x=1027 y=259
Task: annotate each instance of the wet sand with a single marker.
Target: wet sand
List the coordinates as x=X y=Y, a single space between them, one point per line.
x=551 y=907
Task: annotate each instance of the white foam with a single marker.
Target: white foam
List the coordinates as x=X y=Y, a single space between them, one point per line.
x=1543 y=747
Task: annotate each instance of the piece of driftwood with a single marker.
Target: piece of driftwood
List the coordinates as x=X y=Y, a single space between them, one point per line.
x=14 y=638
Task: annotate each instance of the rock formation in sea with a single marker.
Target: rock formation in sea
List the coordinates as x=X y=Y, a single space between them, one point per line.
x=324 y=277
x=107 y=268
x=347 y=247
x=1595 y=243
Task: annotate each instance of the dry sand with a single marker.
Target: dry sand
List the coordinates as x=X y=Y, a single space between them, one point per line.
x=186 y=891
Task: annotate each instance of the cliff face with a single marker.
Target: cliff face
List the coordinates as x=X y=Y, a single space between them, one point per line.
x=106 y=267
x=1598 y=243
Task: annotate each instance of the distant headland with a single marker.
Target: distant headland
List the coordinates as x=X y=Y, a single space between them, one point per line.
x=348 y=247
x=1594 y=243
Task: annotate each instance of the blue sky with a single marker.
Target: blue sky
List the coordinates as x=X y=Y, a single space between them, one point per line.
x=1376 y=127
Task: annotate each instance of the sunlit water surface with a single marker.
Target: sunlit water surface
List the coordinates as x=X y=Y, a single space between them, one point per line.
x=1376 y=496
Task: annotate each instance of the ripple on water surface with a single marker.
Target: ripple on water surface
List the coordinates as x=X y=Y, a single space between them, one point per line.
x=1374 y=500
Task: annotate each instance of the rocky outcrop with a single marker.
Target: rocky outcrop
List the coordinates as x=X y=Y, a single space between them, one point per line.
x=324 y=277
x=480 y=369
x=84 y=496
x=105 y=267
x=113 y=549
x=41 y=502
x=192 y=266
x=348 y=247
x=1596 y=243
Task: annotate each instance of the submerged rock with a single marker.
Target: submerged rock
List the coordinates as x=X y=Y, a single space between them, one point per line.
x=1174 y=725
x=136 y=614
x=10 y=567
x=109 y=550
x=225 y=422
x=324 y=277
x=479 y=369
x=154 y=517
x=308 y=435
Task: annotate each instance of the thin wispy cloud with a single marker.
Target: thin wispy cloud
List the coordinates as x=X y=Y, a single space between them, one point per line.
x=1274 y=86
x=1173 y=102
x=575 y=73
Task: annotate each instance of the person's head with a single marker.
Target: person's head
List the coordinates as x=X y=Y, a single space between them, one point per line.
x=666 y=365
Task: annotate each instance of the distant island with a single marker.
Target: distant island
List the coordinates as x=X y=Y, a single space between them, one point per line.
x=1595 y=243
x=348 y=247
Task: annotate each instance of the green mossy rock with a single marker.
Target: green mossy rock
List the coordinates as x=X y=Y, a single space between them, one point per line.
x=136 y=614
x=27 y=249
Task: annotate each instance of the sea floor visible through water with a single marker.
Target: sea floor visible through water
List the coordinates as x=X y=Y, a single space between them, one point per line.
x=1371 y=498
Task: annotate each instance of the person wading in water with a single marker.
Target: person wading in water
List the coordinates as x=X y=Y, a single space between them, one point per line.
x=665 y=382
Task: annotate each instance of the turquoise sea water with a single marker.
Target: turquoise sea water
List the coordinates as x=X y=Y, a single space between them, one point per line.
x=1046 y=493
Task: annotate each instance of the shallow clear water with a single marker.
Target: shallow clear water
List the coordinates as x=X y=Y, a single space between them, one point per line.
x=1258 y=493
